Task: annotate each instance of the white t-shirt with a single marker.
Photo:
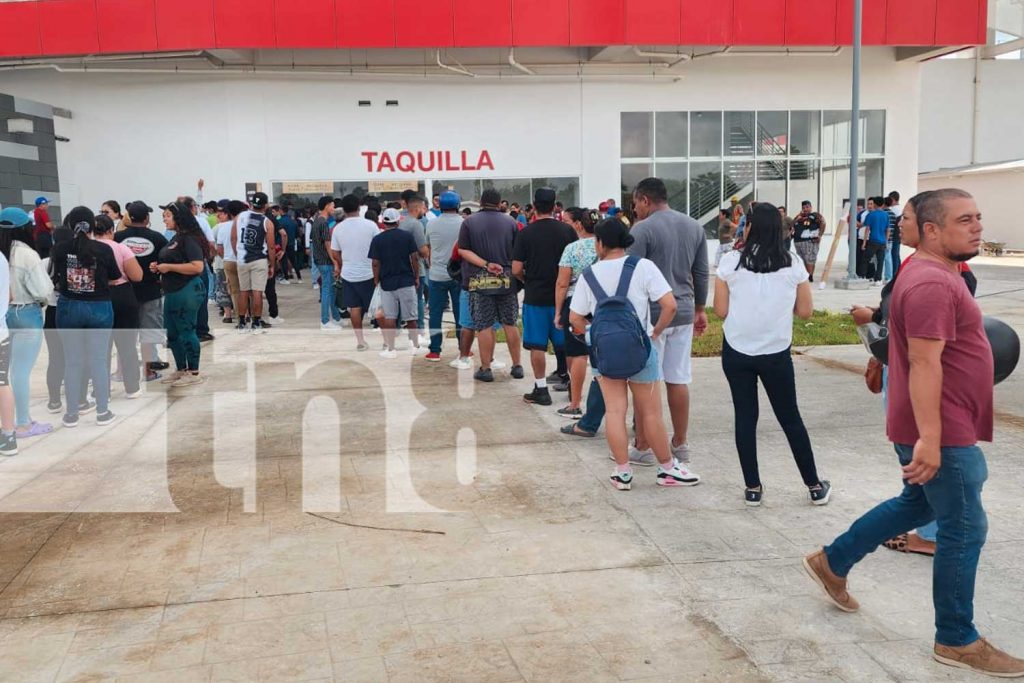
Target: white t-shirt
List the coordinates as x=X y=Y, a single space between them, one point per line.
x=5 y=295
x=352 y=238
x=222 y=238
x=760 y=320
x=648 y=285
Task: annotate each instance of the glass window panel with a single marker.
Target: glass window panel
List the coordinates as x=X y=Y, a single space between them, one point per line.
x=675 y=175
x=567 y=190
x=771 y=182
x=671 y=129
x=772 y=133
x=632 y=174
x=511 y=189
x=706 y=193
x=874 y=180
x=637 y=134
x=803 y=184
x=738 y=181
x=706 y=134
x=804 y=137
x=468 y=190
x=739 y=134
x=873 y=136
x=836 y=134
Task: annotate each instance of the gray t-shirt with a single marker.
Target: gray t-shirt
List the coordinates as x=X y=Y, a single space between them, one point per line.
x=414 y=226
x=442 y=234
x=677 y=245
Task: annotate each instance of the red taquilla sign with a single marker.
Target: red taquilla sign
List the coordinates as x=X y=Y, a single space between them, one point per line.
x=427 y=162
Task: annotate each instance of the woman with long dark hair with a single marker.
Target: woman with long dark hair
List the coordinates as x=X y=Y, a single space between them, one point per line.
x=757 y=292
x=83 y=269
x=576 y=258
x=126 y=308
x=112 y=210
x=30 y=291
x=181 y=265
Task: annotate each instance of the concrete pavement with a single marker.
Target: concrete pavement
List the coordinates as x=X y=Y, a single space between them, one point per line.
x=312 y=513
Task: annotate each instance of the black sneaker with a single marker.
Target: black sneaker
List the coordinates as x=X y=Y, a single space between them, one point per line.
x=8 y=444
x=242 y=327
x=206 y=337
x=555 y=378
x=538 y=396
x=517 y=372
x=228 y=321
x=87 y=407
x=54 y=407
x=69 y=422
x=561 y=386
x=571 y=413
x=753 y=497
x=105 y=418
x=483 y=375
x=821 y=493
x=158 y=366
x=260 y=326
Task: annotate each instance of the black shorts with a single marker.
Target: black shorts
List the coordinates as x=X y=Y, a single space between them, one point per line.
x=575 y=347
x=5 y=362
x=485 y=310
x=357 y=294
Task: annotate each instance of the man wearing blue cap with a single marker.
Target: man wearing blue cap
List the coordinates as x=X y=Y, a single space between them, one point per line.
x=442 y=235
x=41 y=218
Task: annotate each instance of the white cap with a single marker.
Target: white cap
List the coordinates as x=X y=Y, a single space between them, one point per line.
x=391 y=217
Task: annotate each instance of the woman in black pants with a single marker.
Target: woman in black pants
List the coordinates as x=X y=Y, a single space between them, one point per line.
x=125 y=335
x=757 y=292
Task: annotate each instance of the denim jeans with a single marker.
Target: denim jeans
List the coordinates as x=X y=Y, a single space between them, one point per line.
x=594 y=416
x=85 y=333
x=953 y=499
x=887 y=263
x=440 y=294
x=328 y=309
x=203 y=312
x=421 y=293
x=26 y=326
x=894 y=248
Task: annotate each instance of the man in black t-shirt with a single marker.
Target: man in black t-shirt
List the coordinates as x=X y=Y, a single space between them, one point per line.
x=538 y=250
x=808 y=227
x=146 y=244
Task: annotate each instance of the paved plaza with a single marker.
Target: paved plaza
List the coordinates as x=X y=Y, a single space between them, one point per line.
x=420 y=527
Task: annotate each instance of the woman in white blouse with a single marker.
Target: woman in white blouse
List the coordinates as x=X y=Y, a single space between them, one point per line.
x=757 y=292
x=30 y=289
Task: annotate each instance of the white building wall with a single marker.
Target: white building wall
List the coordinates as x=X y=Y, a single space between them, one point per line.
x=151 y=136
x=998 y=196
x=947 y=113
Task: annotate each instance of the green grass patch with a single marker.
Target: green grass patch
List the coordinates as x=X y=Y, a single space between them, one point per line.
x=823 y=329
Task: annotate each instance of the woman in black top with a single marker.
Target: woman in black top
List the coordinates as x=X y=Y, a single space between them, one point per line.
x=82 y=270
x=181 y=265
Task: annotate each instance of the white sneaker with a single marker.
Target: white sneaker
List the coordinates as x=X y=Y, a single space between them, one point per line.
x=498 y=365
x=681 y=453
x=316 y=286
x=284 y=282
x=389 y=354
x=330 y=326
x=424 y=340
x=276 y=321
x=641 y=458
x=462 y=364
x=134 y=394
x=418 y=351
x=399 y=346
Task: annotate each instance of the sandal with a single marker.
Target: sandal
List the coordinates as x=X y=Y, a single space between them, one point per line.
x=901 y=544
x=573 y=430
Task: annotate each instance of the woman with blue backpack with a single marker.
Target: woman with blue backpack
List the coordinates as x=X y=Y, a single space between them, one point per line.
x=624 y=358
x=757 y=293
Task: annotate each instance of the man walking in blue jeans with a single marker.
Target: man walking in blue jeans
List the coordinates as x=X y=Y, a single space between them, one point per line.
x=320 y=251
x=940 y=407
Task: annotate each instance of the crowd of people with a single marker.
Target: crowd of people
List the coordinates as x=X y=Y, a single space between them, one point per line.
x=620 y=302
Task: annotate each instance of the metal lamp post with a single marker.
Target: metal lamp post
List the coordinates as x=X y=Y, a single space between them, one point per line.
x=851 y=267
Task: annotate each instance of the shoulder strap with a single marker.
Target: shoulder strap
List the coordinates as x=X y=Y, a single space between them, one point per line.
x=595 y=286
x=628 y=268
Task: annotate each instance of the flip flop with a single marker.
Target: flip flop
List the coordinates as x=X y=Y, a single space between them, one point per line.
x=572 y=430
x=901 y=544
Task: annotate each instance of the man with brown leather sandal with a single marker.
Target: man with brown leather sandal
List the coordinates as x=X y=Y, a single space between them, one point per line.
x=940 y=407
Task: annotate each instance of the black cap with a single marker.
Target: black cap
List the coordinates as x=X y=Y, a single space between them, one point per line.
x=260 y=200
x=138 y=210
x=223 y=204
x=544 y=195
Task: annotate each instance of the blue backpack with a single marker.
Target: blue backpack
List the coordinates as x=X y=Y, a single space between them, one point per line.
x=619 y=345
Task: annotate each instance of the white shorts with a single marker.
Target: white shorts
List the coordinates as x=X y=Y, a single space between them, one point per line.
x=675 y=346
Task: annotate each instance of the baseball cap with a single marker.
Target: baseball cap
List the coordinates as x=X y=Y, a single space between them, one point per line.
x=603 y=206
x=260 y=200
x=544 y=195
x=138 y=210
x=450 y=200
x=223 y=204
x=13 y=217
x=391 y=217
x=42 y=200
